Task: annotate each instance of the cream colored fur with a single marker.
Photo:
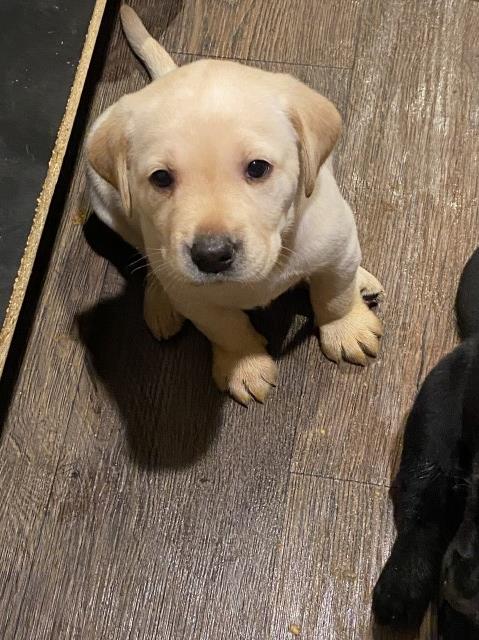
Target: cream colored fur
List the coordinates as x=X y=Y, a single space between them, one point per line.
x=205 y=122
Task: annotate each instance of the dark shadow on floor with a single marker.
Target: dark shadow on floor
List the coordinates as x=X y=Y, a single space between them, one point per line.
x=286 y=323
x=164 y=391
x=170 y=409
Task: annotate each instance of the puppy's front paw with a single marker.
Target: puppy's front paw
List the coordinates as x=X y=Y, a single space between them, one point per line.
x=352 y=337
x=244 y=375
x=403 y=591
x=160 y=316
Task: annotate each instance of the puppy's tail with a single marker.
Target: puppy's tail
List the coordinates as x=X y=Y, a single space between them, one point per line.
x=151 y=53
x=467 y=299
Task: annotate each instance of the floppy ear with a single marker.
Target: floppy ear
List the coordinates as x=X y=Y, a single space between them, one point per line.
x=107 y=152
x=317 y=124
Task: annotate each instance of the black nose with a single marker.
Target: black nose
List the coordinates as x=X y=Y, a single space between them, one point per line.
x=213 y=254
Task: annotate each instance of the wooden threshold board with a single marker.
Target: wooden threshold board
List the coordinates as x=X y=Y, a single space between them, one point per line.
x=45 y=52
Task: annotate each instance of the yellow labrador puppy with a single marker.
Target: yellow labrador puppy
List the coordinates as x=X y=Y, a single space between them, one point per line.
x=218 y=172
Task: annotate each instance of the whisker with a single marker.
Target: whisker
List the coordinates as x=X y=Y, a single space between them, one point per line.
x=290 y=252
x=137 y=260
x=141 y=266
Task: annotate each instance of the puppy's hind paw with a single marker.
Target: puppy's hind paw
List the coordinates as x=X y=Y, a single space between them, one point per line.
x=160 y=316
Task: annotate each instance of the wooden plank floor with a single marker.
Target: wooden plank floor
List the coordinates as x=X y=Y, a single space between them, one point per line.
x=136 y=501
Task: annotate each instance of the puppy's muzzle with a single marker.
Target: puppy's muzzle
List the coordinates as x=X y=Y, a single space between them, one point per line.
x=213 y=253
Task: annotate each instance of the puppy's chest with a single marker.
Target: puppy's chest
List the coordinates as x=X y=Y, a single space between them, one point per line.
x=249 y=296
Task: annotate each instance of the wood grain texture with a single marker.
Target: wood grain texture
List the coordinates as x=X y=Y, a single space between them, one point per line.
x=136 y=501
x=144 y=504
x=41 y=407
x=168 y=500
x=336 y=537
x=408 y=168
x=164 y=491
x=326 y=567
x=289 y=31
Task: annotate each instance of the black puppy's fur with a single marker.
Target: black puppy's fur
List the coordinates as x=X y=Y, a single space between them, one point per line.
x=436 y=492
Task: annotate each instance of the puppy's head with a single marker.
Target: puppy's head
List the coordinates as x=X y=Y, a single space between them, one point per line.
x=210 y=159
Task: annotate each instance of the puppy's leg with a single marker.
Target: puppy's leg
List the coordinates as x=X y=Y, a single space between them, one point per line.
x=410 y=577
x=241 y=364
x=162 y=319
x=348 y=328
x=427 y=505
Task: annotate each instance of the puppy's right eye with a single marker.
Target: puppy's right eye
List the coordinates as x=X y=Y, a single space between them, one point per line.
x=161 y=178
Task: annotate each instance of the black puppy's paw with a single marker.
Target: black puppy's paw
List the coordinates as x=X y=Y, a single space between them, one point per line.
x=403 y=592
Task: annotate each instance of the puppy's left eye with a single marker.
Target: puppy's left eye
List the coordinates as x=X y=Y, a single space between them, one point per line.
x=258 y=169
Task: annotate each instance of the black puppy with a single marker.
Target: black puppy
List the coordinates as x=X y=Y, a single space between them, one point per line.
x=436 y=492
